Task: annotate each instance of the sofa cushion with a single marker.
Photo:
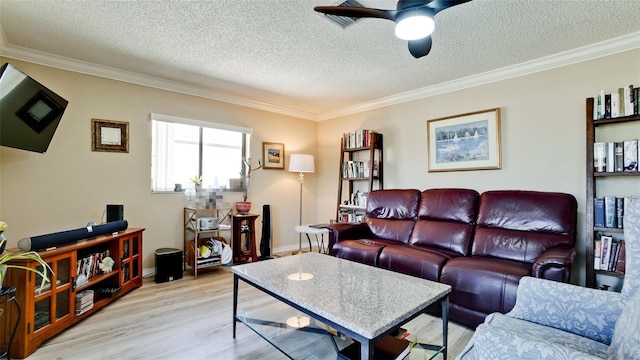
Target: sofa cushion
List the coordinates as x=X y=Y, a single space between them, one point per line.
x=393 y=204
x=521 y=225
x=391 y=214
x=458 y=205
x=484 y=284
x=504 y=337
x=585 y=312
x=396 y=230
x=626 y=337
x=414 y=260
x=364 y=251
x=445 y=219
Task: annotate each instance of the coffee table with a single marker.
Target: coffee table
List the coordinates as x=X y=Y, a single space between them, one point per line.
x=362 y=302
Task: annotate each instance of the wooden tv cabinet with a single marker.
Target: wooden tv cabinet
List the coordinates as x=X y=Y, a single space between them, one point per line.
x=48 y=311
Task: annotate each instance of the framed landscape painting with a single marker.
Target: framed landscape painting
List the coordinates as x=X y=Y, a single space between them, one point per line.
x=273 y=155
x=464 y=142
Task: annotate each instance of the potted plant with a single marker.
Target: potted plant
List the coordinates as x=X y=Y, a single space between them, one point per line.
x=8 y=256
x=243 y=207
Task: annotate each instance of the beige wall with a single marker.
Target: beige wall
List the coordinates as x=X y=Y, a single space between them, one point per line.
x=70 y=185
x=543 y=148
x=543 y=135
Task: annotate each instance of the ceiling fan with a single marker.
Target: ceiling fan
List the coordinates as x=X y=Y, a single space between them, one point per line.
x=414 y=19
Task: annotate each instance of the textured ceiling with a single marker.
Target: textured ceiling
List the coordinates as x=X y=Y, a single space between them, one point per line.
x=282 y=54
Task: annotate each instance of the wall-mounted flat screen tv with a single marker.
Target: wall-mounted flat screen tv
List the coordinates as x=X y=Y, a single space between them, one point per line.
x=29 y=111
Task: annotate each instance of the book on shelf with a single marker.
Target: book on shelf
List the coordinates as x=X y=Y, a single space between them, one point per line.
x=610 y=219
x=610 y=161
x=387 y=348
x=613 y=253
x=605 y=251
x=598 y=212
x=623 y=102
x=618 y=163
x=616 y=109
x=609 y=254
x=597 y=254
x=357 y=139
x=620 y=263
x=619 y=212
x=599 y=157
x=630 y=153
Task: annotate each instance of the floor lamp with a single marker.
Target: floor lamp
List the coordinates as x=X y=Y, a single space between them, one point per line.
x=301 y=163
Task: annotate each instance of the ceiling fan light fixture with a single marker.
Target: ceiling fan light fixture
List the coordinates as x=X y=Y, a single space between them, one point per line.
x=414 y=27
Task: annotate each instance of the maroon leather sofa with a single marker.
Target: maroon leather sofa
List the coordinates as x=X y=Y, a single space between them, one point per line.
x=480 y=244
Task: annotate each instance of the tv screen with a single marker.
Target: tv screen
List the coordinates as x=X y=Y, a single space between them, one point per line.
x=29 y=112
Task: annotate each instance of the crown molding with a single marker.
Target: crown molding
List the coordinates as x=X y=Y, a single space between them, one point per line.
x=585 y=53
x=64 y=63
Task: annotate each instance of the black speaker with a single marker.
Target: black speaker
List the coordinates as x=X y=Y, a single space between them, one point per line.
x=42 y=242
x=265 y=241
x=168 y=264
x=115 y=213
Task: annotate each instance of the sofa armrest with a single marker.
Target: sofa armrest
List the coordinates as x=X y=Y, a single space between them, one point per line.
x=557 y=259
x=591 y=313
x=347 y=231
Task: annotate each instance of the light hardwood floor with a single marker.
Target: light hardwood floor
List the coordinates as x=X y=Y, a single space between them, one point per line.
x=191 y=319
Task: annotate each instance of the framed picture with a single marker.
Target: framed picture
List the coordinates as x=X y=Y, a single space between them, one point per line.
x=272 y=155
x=464 y=142
x=108 y=135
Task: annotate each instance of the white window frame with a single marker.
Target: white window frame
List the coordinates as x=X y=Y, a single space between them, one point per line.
x=160 y=167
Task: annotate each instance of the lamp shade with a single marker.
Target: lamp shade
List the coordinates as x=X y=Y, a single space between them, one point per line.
x=301 y=163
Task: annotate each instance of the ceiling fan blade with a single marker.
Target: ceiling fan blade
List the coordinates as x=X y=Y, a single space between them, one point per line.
x=421 y=47
x=357 y=12
x=439 y=5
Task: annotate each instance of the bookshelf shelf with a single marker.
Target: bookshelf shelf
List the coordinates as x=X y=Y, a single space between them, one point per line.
x=597 y=185
x=360 y=172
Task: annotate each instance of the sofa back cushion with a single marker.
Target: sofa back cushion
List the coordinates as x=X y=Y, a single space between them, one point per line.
x=391 y=214
x=446 y=218
x=521 y=225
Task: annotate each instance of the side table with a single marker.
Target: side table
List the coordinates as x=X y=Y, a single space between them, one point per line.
x=244 y=238
x=307 y=229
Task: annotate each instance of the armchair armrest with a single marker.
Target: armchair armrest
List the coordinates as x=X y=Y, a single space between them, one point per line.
x=586 y=312
x=347 y=231
x=554 y=264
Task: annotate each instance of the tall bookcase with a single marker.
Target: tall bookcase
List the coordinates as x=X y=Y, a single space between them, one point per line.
x=601 y=184
x=361 y=171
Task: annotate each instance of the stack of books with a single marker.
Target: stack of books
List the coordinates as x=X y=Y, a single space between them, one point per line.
x=84 y=301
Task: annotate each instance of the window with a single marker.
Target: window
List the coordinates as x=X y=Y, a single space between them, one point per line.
x=185 y=148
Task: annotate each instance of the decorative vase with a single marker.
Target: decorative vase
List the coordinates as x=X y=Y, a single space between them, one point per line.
x=243 y=207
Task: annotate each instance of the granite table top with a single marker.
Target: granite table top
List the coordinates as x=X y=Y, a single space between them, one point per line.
x=362 y=298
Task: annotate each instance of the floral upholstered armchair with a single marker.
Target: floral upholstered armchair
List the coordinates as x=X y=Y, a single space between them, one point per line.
x=553 y=320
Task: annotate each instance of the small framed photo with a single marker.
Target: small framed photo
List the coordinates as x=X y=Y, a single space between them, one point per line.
x=109 y=135
x=273 y=155
x=464 y=142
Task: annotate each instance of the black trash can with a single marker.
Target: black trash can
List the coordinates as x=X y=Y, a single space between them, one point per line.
x=168 y=264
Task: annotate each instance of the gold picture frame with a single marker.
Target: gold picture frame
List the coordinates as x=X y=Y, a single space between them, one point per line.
x=273 y=155
x=109 y=135
x=468 y=141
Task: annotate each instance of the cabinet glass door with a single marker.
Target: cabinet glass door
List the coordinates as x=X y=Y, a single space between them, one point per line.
x=131 y=259
x=53 y=300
